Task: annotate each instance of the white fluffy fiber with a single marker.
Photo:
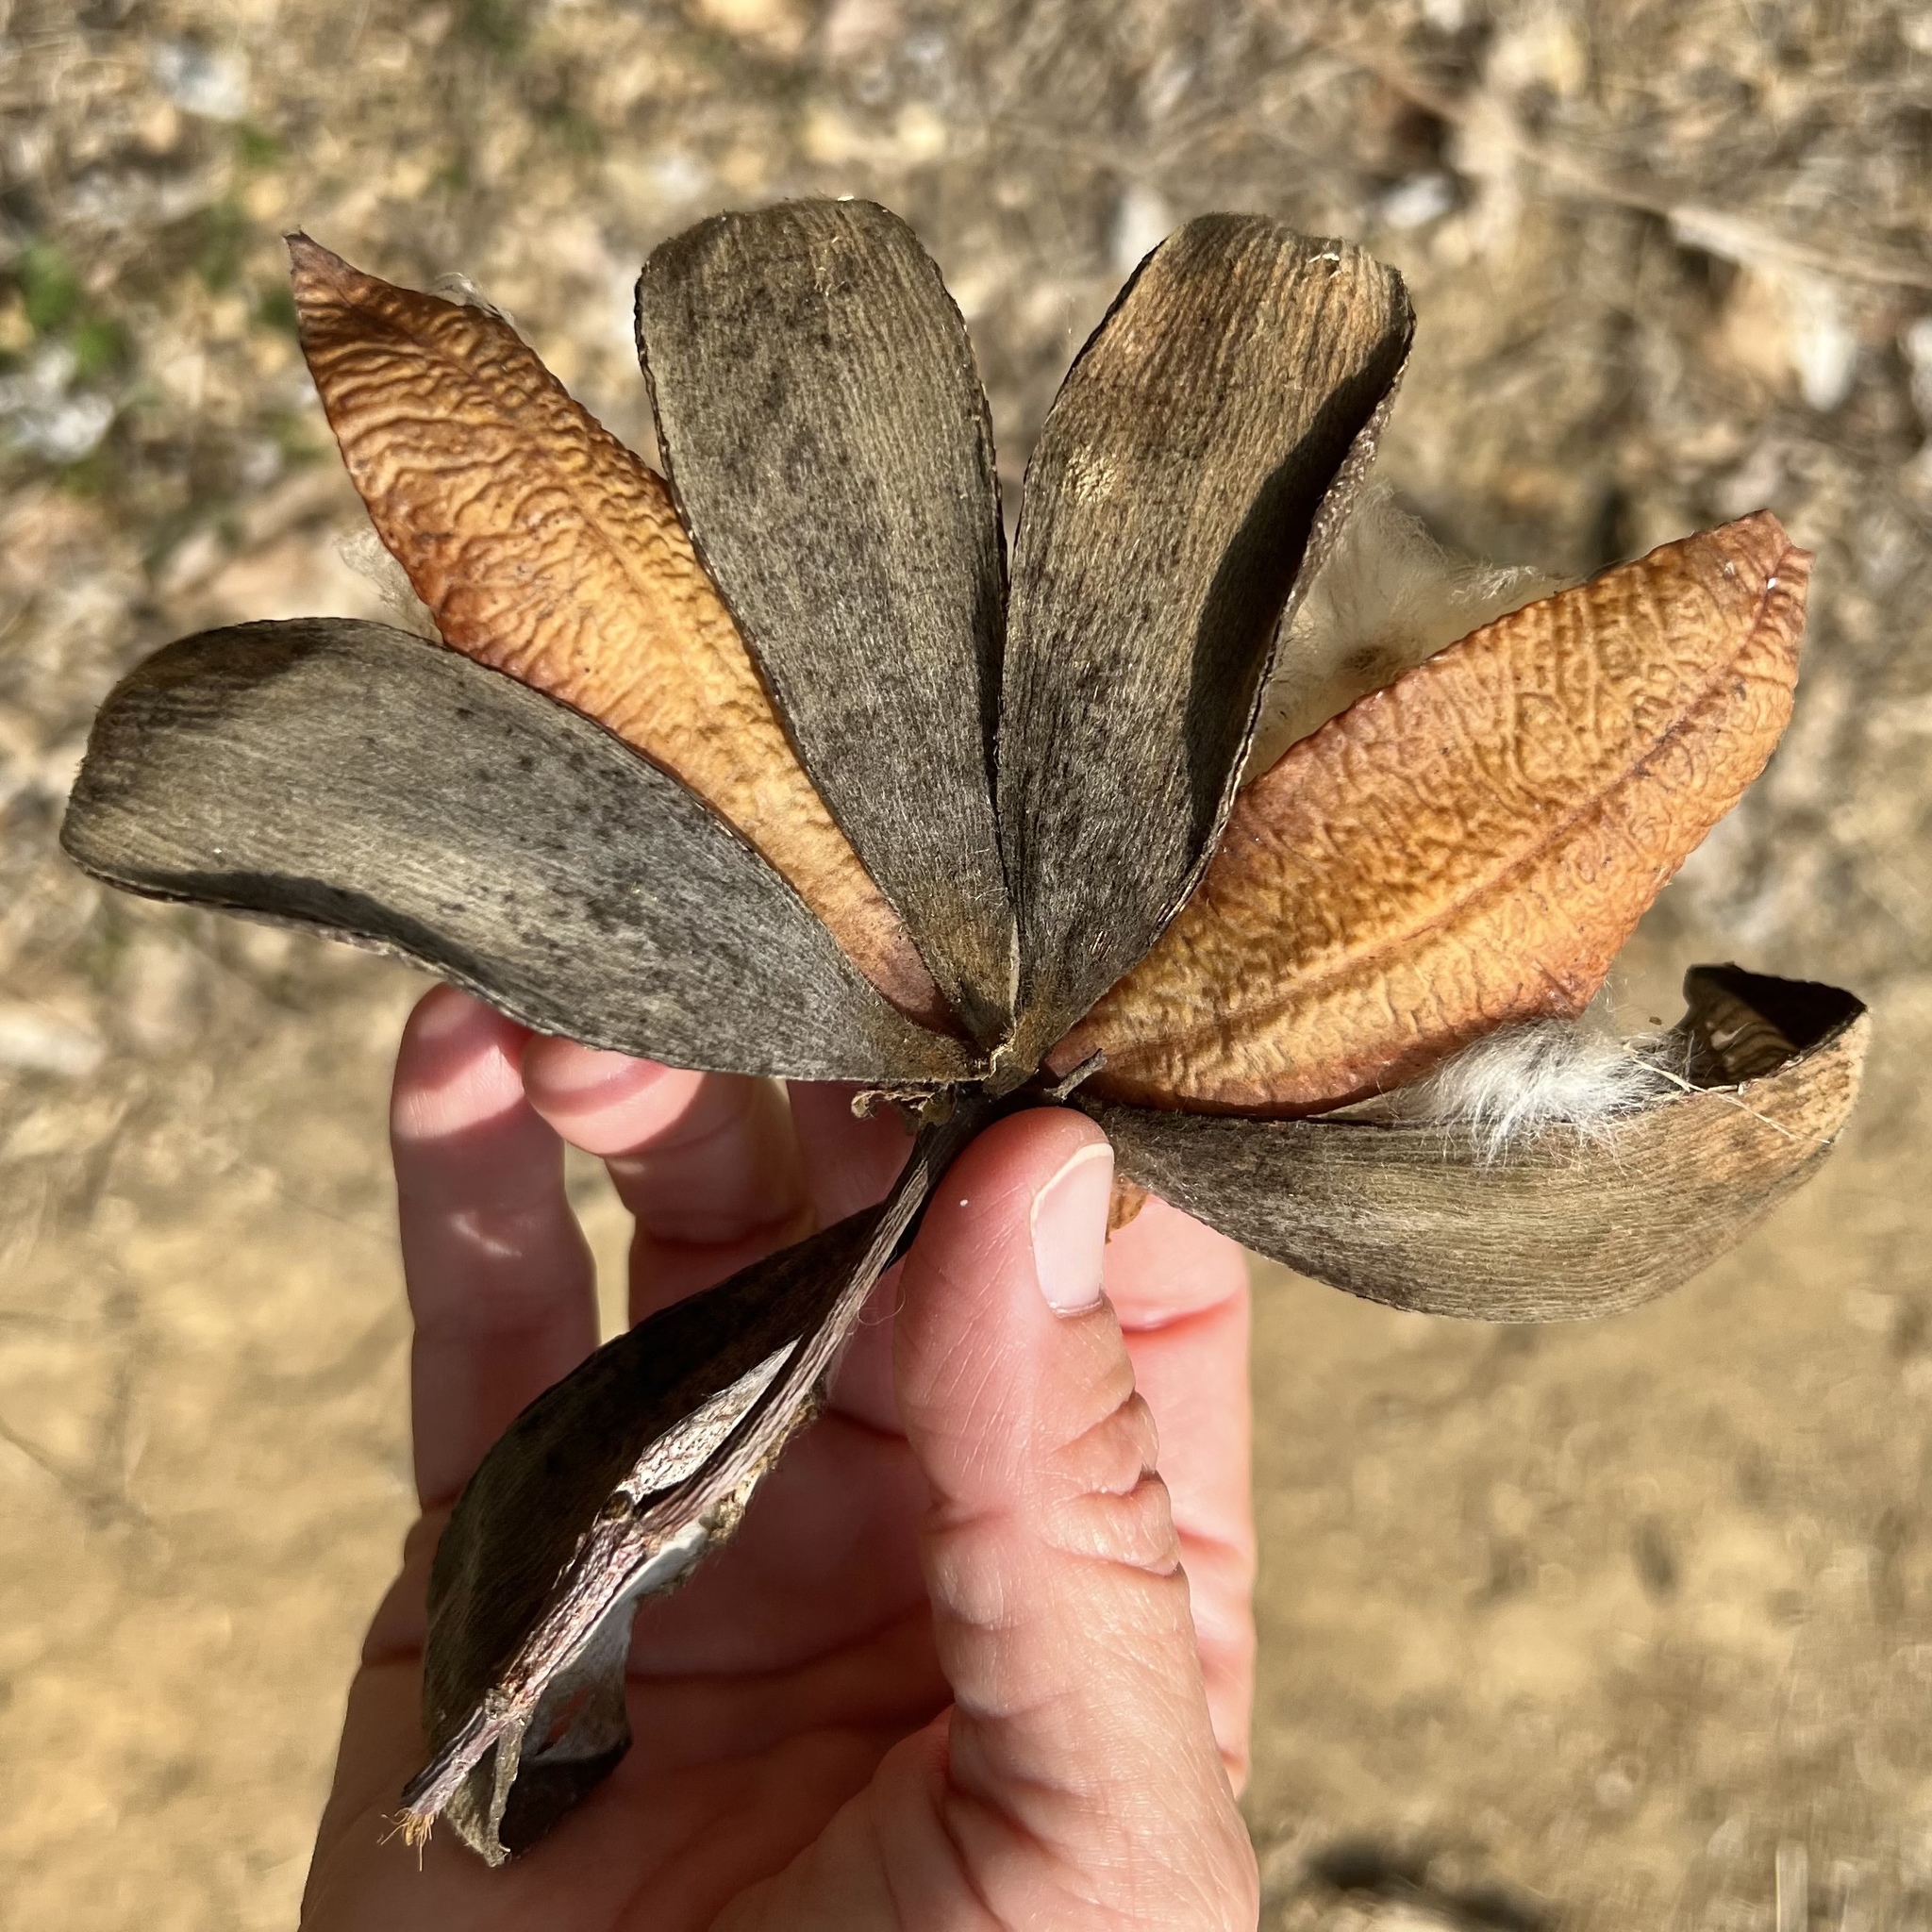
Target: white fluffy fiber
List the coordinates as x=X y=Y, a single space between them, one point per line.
x=1522 y=1081
x=458 y=287
x=365 y=554
x=1387 y=597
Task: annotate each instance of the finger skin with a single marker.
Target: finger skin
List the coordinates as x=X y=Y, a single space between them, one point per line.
x=1180 y=1291
x=850 y=1160
x=697 y=1153
x=501 y=1281
x=852 y=1163
x=716 y=1175
x=708 y=1163
x=721 y=1170
x=1075 y=1781
x=1080 y=1733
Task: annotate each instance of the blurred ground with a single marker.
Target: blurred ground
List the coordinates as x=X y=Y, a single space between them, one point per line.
x=1623 y=1626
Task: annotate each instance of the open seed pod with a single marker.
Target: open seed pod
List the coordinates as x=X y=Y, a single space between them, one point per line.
x=768 y=769
x=1585 y=1218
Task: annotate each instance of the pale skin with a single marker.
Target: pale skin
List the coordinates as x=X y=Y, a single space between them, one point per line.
x=981 y=1655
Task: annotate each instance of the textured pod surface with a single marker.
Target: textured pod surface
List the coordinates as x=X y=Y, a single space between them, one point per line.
x=1567 y=1224
x=351 y=777
x=545 y=548
x=1197 y=461
x=828 y=440
x=1468 y=846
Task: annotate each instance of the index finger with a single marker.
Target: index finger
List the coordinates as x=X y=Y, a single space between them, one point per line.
x=500 y=1278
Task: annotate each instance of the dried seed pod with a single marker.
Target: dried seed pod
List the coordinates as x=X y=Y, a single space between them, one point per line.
x=609 y=1488
x=1200 y=457
x=830 y=446
x=346 y=777
x=1029 y=804
x=1387 y=598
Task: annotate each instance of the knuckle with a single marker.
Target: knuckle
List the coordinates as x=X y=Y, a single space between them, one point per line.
x=1134 y=1530
x=1114 y=1454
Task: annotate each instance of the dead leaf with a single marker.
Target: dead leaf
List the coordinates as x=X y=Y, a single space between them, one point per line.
x=546 y=549
x=1470 y=846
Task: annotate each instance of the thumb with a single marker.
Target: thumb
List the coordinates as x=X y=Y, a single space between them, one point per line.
x=1081 y=1769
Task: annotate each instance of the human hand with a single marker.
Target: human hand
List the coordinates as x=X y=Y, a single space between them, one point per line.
x=950 y=1672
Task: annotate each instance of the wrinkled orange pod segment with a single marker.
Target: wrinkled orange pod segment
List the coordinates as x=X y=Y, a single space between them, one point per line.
x=544 y=549
x=1470 y=845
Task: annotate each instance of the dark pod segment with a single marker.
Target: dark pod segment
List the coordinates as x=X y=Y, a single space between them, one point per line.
x=827 y=439
x=1201 y=453
x=536 y=1531
x=1569 y=1224
x=350 y=777
x=609 y=1488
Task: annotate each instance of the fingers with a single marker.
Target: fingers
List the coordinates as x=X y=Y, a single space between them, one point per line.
x=1181 y=1293
x=720 y=1171
x=1081 y=1757
x=500 y=1281
x=851 y=1161
x=708 y=1163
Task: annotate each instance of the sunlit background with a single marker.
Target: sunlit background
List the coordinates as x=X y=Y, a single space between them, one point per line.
x=1628 y=1626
